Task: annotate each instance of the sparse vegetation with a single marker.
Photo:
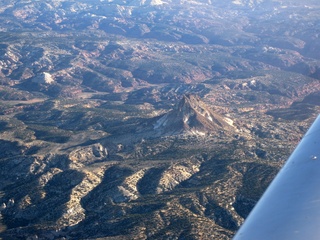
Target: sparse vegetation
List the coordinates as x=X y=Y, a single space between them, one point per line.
x=82 y=154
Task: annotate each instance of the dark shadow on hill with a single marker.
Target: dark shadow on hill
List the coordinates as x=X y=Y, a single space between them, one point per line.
x=149 y=182
x=210 y=171
x=45 y=208
x=3 y=126
x=53 y=90
x=10 y=149
x=46 y=203
x=220 y=216
x=313 y=99
x=107 y=190
x=105 y=215
x=256 y=179
x=297 y=111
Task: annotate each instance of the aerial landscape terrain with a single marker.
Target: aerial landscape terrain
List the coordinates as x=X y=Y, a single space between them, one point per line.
x=149 y=119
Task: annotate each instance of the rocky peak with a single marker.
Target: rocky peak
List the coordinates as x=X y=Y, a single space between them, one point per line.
x=192 y=103
x=192 y=116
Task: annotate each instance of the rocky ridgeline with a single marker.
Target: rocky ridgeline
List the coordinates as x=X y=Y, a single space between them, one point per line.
x=68 y=190
x=103 y=130
x=176 y=174
x=98 y=182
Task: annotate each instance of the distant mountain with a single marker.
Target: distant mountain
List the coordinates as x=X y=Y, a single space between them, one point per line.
x=192 y=116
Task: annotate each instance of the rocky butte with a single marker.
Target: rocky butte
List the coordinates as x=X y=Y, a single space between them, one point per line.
x=193 y=117
x=149 y=119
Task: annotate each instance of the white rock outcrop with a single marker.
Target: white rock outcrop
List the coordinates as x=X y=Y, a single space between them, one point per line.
x=43 y=78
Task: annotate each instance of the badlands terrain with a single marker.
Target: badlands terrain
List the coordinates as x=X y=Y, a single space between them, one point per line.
x=152 y=119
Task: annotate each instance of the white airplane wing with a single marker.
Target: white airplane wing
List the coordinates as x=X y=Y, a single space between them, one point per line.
x=290 y=207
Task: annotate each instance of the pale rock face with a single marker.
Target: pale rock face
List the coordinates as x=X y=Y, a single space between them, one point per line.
x=229 y=121
x=147 y=2
x=175 y=175
x=249 y=3
x=45 y=178
x=75 y=212
x=170 y=178
x=161 y=122
x=129 y=189
x=89 y=154
x=3 y=206
x=44 y=78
